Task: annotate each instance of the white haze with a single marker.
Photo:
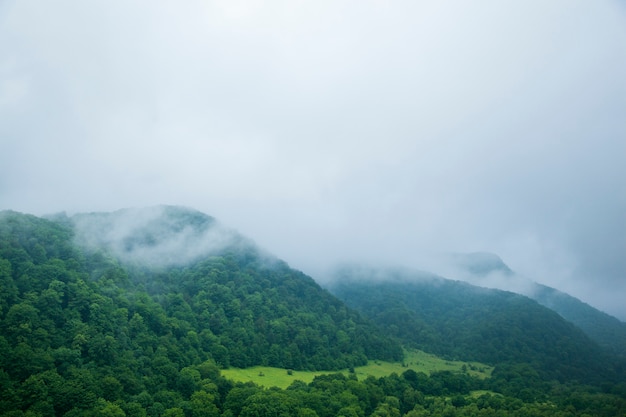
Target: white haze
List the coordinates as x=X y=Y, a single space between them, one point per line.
x=495 y=273
x=149 y=236
x=332 y=131
x=436 y=267
x=501 y=281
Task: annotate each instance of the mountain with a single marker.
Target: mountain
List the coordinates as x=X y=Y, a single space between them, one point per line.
x=134 y=312
x=481 y=263
x=603 y=328
x=194 y=277
x=489 y=269
x=116 y=295
x=457 y=320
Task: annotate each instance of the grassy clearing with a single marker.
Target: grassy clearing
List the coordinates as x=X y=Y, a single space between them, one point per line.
x=479 y=393
x=269 y=377
x=422 y=362
x=427 y=363
x=413 y=359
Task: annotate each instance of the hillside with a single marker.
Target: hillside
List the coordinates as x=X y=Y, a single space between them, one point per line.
x=606 y=330
x=68 y=307
x=134 y=313
x=461 y=321
x=243 y=307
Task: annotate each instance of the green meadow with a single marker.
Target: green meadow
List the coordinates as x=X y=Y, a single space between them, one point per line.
x=413 y=359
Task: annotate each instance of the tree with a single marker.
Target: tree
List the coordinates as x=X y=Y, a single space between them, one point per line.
x=111 y=388
x=173 y=412
x=8 y=289
x=269 y=403
x=202 y=405
x=20 y=321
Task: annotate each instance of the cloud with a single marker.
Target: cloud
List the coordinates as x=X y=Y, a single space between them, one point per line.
x=334 y=131
x=154 y=236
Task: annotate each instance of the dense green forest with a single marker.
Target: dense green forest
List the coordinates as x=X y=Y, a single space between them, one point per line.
x=606 y=330
x=460 y=321
x=87 y=332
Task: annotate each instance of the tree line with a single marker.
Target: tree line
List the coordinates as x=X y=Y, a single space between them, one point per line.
x=83 y=335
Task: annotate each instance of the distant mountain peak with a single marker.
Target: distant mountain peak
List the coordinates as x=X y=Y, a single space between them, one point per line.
x=481 y=263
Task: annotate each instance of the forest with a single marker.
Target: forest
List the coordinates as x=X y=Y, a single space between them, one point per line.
x=460 y=321
x=84 y=333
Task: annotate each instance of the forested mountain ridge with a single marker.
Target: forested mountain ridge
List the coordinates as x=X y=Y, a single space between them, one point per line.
x=461 y=321
x=606 y=330
x=603 y=328
x=245 y=307
x=66 y=309
x=133 y=314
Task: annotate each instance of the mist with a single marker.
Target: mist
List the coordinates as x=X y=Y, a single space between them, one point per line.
x=158 y=236
x=332 y=132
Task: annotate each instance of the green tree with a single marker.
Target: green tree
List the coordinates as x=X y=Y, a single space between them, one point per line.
x=111 y=388
x=20 y=322
x=107 y=409
x=203 y=405
x=8 y=289
x=174 y=412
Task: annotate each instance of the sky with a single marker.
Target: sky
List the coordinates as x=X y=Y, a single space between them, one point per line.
x=384 y=132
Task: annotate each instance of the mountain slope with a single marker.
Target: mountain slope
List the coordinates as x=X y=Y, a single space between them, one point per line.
x=606 y=330
x=227 y=302
x=489 y=269
x=458 y=320
x=94 y=330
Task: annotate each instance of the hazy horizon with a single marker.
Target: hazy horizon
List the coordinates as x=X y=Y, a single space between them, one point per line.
x=334 y=131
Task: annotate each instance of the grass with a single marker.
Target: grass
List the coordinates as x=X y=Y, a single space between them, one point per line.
x=479 y=393
x=413 y=359
x=269 y=377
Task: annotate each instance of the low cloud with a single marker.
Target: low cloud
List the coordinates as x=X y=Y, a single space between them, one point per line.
x=154 y=236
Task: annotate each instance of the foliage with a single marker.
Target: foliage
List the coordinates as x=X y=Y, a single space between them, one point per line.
x=460 y=321
x=82 y=334
x=93 y=327
x=606 y=330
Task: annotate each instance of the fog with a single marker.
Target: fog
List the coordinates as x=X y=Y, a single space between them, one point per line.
x=387 y=133
x=157 y=236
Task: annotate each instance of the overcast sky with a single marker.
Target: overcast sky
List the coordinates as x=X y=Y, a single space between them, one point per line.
x=327 y=131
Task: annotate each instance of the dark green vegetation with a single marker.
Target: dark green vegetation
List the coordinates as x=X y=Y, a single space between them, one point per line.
x=460 y=321
x=604 y=329
x=91 y=330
